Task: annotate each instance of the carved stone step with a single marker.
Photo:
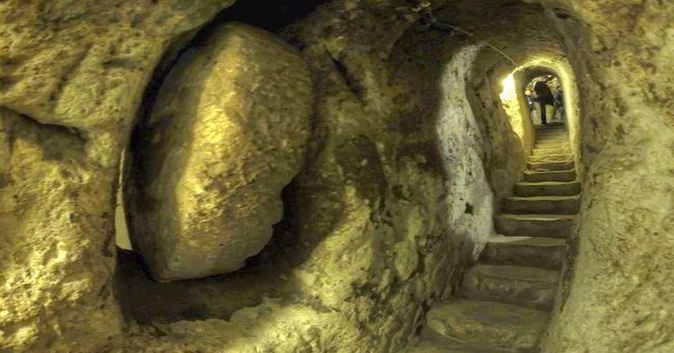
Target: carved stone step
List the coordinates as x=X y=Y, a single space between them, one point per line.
x=567 y=205
x=556 y=125
x=535 y=225
x=549 y=151
x=552 y=134
x=537 y=177
x=540 y=133
x=552 y=188
x=548 y=130
x=488 y=323
x=551 y=166
x=551 y=142
x=552 y=146
x=547 y=253
x=552 y=137
x=433 y=342
x=543 y=143
x=530 y=287
x=557 y=157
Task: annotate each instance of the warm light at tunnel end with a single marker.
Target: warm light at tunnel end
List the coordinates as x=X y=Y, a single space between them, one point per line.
x=510 y=103
x=509 y=90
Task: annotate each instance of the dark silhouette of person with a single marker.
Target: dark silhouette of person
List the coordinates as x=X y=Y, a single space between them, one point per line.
x=544 y=98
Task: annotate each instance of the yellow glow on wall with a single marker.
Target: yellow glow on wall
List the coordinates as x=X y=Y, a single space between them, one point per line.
x=509 y=91
x=510 y=102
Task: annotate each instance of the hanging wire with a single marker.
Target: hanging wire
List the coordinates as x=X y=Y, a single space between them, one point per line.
x=424 y=8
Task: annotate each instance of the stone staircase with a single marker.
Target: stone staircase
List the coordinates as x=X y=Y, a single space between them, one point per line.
x=504 y=301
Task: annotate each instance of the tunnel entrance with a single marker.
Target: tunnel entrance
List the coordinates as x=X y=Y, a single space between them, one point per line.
x=525 y=261
x=531 y=224
x=545 y=100
x=420 y=201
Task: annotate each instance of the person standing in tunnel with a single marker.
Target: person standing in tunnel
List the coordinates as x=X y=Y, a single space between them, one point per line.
x=544 y=98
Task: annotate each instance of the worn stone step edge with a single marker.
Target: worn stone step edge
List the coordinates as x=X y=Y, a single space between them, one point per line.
x=540 y=151
x=535 y=225
x=516 y=273
x=552 y=137
x=433 y=342
x=551 y=132
x=548 y=142
x=551 y=146
x=489 y=323
x=552 y=188
x=543 y=176
x=526 y=286
x=542 y=252
x=546 y=198
x=568 y=205
x=559 y=157
x=551 y=166
x=552 y=126
x=549 y=151
x=557 y=129
x=544 y=134
x=547 y=137
x=543 y=144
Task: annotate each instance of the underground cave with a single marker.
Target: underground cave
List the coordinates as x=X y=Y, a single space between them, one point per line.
x=336 y=176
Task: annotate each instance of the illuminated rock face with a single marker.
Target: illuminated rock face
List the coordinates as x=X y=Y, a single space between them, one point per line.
x=72 y=74
x=226 y=134
x=395 y=194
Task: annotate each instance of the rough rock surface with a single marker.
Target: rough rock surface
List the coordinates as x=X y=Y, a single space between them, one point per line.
x=618 y=297
x=383 y=216
x=72 y=74
x=56 y=257
x=226 y=134
x=84 y=64
x=386 y=216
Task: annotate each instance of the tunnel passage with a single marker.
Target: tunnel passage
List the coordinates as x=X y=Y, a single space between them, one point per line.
x=505 y=300
x=410 y=156
x=546 y=100
x=544 y=94
x=486 y=167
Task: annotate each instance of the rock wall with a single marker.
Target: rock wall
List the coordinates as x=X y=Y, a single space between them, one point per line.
x=226 y=134
x=409 y=149
x=513 y=36
x=72 y=74
x=388 y=212
x=57 y=258
x=618 y=298
x=393 y=201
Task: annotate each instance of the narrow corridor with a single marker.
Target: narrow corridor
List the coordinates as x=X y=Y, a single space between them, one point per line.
x=336 y=176
x=504 y=301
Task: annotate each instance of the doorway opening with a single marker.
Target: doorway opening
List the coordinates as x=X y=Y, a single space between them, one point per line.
x=545 y=100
